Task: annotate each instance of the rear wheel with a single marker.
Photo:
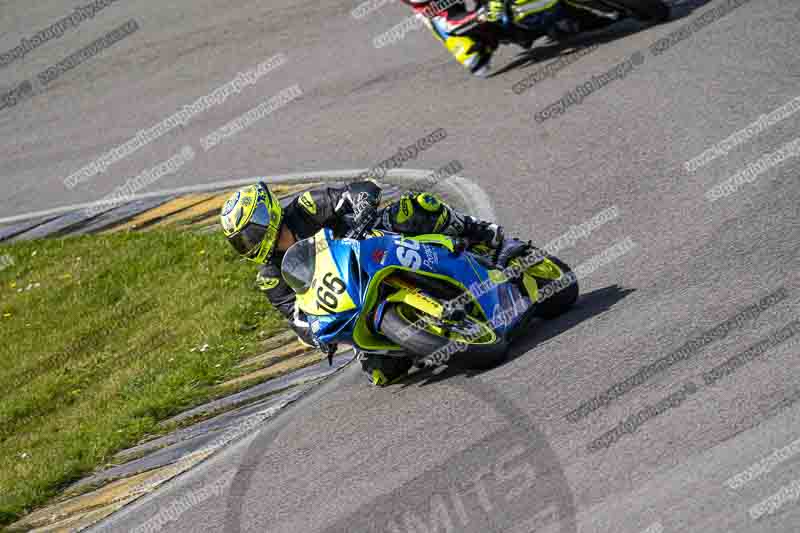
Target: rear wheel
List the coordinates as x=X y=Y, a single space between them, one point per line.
x=404 y=327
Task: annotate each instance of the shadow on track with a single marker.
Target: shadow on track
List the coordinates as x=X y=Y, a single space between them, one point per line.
x=588 y=306
x=537 y=55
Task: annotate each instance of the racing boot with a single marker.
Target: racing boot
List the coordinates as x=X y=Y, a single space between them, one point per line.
x=481 y=67
x=469 y=52
x=472 y=55
x=383 y=370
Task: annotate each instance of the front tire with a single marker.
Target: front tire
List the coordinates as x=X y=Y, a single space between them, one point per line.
x=400 y=330
x=557 y=298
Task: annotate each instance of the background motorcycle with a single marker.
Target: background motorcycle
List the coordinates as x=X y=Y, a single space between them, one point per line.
x=511 y=29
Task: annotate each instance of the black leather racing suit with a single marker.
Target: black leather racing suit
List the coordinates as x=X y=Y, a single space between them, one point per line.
x=413 y=214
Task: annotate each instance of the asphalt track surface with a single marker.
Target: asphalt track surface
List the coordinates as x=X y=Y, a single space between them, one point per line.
x=492 y=451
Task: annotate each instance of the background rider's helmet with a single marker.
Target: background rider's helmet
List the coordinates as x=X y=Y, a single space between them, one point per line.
x=251 y=220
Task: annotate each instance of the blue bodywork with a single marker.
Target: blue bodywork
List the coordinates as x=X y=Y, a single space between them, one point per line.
x=358 y=262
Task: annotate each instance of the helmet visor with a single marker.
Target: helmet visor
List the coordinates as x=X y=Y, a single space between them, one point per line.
x=248 y=241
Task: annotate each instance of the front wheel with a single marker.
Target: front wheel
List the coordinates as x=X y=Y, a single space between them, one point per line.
x=646 y=10
x=558 y=295
x=403 y=326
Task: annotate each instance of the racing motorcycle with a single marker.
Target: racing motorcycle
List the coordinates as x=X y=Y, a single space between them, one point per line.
x=426 y=298
x=511 y=28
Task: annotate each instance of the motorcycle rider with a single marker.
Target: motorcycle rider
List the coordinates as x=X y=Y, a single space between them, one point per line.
x=261 y=230
x=555 y=18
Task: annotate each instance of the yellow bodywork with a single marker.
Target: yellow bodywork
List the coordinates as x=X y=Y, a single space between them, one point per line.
x=545 y=269
x=417 y=300
x=434 y=238
x=324 y=266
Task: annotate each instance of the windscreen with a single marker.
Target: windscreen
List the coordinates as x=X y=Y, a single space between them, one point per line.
x=298 y=264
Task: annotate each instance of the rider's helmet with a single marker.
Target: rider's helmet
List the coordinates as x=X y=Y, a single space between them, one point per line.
x=251 y=220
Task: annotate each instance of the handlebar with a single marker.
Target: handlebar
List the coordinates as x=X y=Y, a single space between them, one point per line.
x=358 y=232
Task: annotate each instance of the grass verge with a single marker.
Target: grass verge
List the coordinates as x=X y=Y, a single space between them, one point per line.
x=100 y=339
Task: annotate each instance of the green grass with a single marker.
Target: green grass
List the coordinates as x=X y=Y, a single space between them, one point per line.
x=101 y=350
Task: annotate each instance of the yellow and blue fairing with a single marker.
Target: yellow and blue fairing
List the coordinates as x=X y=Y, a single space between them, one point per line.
x=340 y=281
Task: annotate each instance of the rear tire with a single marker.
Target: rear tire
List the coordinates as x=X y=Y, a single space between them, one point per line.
x=423 y=343
x=560 y=300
